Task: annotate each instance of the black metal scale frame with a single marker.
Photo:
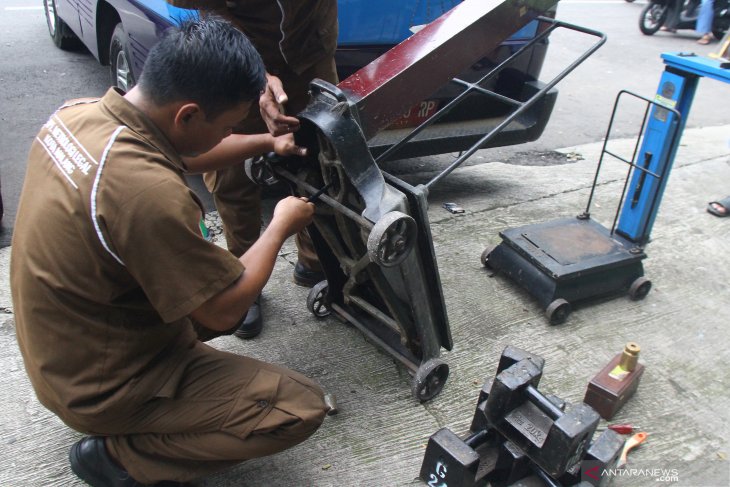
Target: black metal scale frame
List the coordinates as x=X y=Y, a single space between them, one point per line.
x=371 y=230
x=572 y=260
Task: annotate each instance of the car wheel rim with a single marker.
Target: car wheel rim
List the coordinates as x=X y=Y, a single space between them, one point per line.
x=122 y=71
x=51 y=15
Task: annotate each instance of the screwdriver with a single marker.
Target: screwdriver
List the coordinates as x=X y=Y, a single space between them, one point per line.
x=319 y=192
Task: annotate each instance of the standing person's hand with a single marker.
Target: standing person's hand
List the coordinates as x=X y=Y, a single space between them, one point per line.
x=271 y=104
x=285 y=146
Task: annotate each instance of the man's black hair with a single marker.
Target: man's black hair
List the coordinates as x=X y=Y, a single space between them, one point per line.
x=206 y=61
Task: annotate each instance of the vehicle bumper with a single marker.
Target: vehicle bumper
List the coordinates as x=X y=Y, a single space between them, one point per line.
x=457 y=136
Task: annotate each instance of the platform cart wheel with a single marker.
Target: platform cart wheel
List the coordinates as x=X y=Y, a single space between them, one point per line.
x=485 y=257
x=429 y=379
x=639 y=288
x=316 y=300
x=391 y=239
x=558 y=311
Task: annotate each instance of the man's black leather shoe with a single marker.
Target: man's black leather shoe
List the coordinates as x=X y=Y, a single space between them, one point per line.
x=307 y=277
x=92 y=463
x=252 y=323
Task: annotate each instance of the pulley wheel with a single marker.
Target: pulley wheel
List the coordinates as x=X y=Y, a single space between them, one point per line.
x=391 y=239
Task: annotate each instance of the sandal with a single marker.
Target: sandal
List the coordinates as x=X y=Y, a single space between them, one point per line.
x=705 y=39
x=719 y=208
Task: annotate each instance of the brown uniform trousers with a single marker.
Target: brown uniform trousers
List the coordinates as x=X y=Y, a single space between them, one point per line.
x=217 y=410
x=236 y=197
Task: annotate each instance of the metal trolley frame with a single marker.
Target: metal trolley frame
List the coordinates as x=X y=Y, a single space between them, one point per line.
x=371 y=230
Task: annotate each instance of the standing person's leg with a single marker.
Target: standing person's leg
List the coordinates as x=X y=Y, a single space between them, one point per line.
x=308 y=270
x=704 y=21
x=221 y=409
x=675 y=8
x=238 y=201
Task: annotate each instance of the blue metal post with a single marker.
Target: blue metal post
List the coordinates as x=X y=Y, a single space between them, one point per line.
x=676 y=89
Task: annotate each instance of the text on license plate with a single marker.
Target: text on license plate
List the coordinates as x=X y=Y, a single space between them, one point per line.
x=416 y=115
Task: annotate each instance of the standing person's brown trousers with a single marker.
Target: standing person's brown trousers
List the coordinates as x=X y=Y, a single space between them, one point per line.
x=236 y=197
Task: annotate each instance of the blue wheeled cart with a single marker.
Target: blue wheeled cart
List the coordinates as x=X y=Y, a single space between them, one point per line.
x=577 y=259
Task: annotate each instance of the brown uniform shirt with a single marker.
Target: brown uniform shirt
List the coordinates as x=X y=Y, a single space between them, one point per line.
x=298 y=33
x=108 y=259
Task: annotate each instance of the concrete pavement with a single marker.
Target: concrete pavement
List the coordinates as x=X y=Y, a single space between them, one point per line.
x=379 y=437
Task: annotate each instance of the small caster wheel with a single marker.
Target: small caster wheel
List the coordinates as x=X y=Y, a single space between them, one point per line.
x=429 y=379
x=316 y=300
x=391 y=239
x=485 y=257
x=558 y=311
x=639 y=288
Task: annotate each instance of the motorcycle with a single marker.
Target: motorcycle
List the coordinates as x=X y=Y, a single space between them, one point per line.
x=682 y=14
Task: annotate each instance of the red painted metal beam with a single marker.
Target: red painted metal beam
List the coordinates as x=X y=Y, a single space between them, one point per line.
x=420 y=65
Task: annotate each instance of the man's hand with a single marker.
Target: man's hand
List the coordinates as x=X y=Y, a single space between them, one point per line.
x=285 y=146
x=225 y=309
x=291 y=215
x=271 y=104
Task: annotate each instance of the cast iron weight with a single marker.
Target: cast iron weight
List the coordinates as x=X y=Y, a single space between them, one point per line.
x=601 y=455
x=553 y=439
x=454 y=462
x=486 y=455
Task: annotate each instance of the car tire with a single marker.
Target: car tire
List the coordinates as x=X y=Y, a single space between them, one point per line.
x=62 y=35
x=120 y=67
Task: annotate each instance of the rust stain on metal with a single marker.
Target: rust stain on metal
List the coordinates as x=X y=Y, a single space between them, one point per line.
x=572 y=243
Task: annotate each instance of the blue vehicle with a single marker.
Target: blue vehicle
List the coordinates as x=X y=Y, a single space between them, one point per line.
x=119 y=33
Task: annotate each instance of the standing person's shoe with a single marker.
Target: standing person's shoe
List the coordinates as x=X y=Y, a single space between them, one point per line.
x=92 y=463
x=307 y=277
x=719 y=208
x=705 y=39
x=252 y=323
